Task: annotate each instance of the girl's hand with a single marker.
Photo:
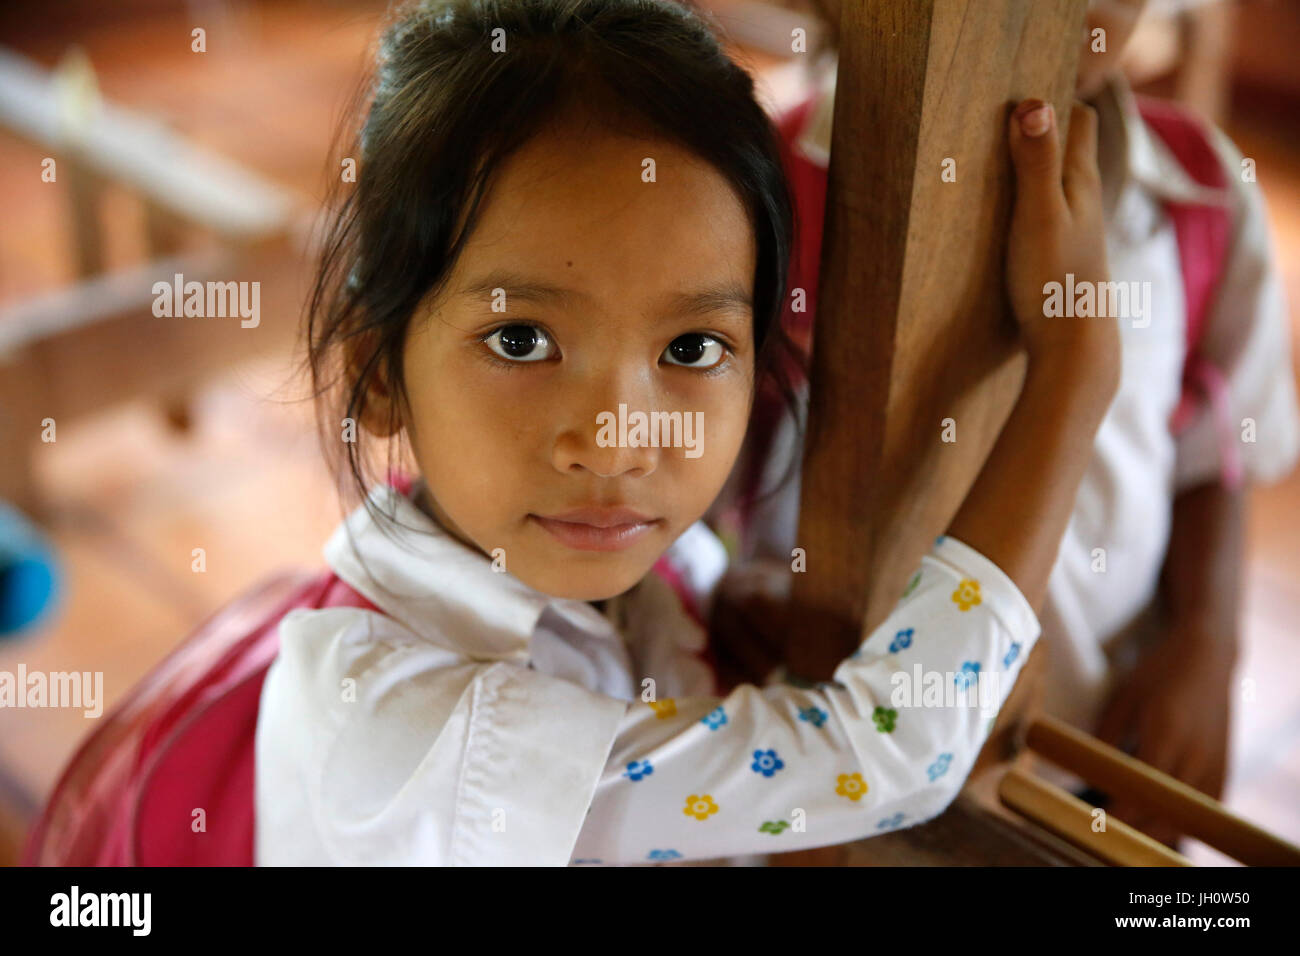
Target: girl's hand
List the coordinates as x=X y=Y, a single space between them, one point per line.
x=1057 y=228
x=748 y=627
x=1174 y=706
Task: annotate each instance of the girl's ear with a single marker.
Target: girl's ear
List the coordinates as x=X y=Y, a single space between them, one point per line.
x=380 y=412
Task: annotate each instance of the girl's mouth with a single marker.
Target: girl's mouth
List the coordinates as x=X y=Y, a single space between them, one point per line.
x=588 y=537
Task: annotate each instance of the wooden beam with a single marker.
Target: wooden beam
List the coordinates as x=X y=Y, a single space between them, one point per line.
x=913 y=326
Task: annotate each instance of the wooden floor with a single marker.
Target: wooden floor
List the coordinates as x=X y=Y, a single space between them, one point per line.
x=132 y=498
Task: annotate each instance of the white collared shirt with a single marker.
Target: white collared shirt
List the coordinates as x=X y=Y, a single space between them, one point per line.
x=478 y=721
x=1123 y=511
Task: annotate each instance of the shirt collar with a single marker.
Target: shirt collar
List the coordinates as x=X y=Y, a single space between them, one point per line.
x=414 y=571
x=814 y=140
x=1130 y=152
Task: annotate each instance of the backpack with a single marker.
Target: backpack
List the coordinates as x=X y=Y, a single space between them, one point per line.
x=180 y=741
x=1203 y=234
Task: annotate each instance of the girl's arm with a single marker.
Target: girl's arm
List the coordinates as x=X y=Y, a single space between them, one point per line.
x=887 y=744
x=1176 y=703
x=1018 y=508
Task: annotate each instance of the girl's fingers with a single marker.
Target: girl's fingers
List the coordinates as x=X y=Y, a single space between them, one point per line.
x=745 y=647
x=1195 y=766
x=1082 y=178
x=1117 y=718
x=1036 y=155
x=1161 y=743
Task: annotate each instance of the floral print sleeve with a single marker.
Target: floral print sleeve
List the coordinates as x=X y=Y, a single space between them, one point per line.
x=886 y=744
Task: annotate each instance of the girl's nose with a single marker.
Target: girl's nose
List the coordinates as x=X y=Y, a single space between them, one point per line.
x=576 y=450
x=607 y=444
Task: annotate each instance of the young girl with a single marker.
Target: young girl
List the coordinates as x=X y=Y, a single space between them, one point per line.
x=573 y=209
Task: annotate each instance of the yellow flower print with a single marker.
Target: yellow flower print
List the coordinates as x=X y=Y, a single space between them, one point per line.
x=967 y=594
x=851 y=785
x=663 y=708
x=700 y=806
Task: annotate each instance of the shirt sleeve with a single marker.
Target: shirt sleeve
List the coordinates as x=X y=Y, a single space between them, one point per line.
x=886 y=744
x=1248 y=340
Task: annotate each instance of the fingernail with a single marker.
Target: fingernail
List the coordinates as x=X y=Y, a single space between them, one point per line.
x=1037 y=120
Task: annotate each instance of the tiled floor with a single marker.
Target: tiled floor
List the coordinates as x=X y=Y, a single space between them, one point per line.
x=133 y=498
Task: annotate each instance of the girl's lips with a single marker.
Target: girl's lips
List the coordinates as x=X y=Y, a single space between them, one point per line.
x=586 y=537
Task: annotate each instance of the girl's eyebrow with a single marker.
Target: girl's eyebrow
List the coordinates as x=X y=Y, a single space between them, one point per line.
x=718 y=298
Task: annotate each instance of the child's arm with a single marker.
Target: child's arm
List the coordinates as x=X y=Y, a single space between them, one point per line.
x=887 y=744
x=1177 y=698
x=1019 y=506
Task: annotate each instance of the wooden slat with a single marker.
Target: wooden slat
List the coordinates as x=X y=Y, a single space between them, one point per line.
x=1071 y=819
x=1117 y=774
x=101 y=297
x=140 y=152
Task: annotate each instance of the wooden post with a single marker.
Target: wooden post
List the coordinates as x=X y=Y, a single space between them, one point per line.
x=913 y=324
x=913 y=330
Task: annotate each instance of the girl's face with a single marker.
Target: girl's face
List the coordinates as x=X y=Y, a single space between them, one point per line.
x=1117 y=19
x=613 y=296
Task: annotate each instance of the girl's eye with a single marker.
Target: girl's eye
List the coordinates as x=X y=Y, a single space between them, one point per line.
x=695 y=350
x=520 y=343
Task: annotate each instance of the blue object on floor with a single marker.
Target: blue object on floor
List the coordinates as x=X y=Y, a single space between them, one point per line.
x=29 y=573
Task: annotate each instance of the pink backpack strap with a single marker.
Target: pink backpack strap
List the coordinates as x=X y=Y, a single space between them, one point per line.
x=807 y=181
x=207 y=757
x=182 y=739
x=1204 y=236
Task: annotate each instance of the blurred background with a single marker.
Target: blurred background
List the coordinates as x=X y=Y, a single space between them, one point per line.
x=169 y=437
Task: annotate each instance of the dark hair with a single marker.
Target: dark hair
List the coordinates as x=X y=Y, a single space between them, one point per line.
x=446 y=111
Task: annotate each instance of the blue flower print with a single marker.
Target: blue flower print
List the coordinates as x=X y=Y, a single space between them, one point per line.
x=638 y=769
x=766 y=762
x=814 y=715
x=969 y=671
x=939 y=767
x=660 y=855
x=714 y=718
x=1012 y=654
x=901 y=640
x=891 y=823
